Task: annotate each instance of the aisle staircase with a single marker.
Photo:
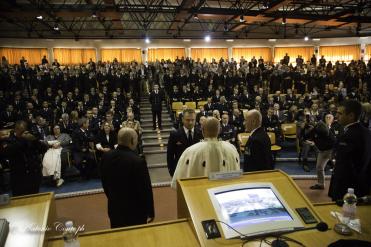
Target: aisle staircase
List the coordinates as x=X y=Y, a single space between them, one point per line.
x=155 y=142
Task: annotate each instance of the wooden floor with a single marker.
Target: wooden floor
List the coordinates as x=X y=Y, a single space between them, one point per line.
x=91 y=210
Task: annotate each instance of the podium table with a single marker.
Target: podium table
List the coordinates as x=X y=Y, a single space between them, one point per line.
x=194 y=203
x=29 y=216
x=171 y=233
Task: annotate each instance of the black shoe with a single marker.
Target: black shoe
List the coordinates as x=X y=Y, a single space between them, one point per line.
x=317 y=187
x=306 y=168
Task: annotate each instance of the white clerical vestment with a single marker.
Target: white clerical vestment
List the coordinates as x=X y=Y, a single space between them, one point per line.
x=204 y=157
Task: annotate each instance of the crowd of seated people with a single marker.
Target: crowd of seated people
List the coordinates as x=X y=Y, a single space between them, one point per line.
x=302 y=94
x=76 y=110
x=90 y=102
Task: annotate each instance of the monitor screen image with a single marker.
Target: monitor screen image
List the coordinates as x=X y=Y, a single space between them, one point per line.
x=252 y=209
x=251 y=206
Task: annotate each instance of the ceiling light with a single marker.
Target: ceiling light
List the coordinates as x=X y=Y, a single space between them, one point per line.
x=229 y=40
x=40 y=17
x=272 y=40
x=56 y=28
x=186 y=40
x=195 y=17
x=363 y=37
x=306 y=38
x=147 y=41
x=94 y=15
x=284 y=21
x=242 y=19
x=316 y=39
x=207 y=38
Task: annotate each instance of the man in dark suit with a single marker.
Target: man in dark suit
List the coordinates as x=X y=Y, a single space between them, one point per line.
x=126 y=183
x=352 y=154
x=181 y=139
x=155 y=98
x=258 y=154
x=82 y=143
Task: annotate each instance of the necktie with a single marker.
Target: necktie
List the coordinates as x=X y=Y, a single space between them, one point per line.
x=190 y=137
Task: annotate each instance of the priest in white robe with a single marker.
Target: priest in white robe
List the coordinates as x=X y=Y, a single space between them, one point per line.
x=210 y=155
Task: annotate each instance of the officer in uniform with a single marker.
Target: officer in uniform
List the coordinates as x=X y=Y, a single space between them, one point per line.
x=227 y=131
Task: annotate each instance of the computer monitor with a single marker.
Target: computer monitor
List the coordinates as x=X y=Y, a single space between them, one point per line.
x=252 y=209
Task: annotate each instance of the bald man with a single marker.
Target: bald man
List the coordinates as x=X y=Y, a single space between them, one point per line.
x=258 y=155
x=126 y=183
x=211 y=155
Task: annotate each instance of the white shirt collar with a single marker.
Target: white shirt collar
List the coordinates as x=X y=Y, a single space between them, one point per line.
x=187 y=130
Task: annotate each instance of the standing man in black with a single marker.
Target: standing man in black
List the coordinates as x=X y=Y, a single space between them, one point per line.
x=352 y=154
x=126 y=183
x=23 y=150
x=181 y=139
x=155 y=98
x=258 y=155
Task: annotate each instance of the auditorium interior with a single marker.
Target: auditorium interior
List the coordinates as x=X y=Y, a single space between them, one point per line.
x=75 y=73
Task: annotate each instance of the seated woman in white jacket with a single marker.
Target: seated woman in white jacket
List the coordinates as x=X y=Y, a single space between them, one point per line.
x=52 y=158
x=211 y=155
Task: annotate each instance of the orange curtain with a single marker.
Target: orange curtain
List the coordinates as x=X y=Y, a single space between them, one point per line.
x=122 y=55
x=344 y=53
x=209 y=53
x=32 y=55
x=306 y=52
x=165 y=53
x=74 y=56
x=248 y=53
x=368 y=52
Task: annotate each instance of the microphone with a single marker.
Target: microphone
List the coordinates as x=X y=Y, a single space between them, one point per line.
x=364 y=200
x=321 y=226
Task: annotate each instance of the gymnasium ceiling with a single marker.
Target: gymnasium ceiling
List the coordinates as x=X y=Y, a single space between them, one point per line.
x=184 y=19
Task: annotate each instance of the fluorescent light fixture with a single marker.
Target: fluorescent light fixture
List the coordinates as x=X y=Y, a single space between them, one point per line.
x=186 y=40
x=306 y=38
x=94 y=15
x=272 y=40
x=316 y=39
x=98 y=40
x=40 y=17
x=229 y=40
x=207 y=38
x=195 y=17
x=147 y=40
x=363 y=37
x=56 y=28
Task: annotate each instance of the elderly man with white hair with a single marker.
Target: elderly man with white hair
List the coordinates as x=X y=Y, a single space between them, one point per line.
x=211 y=155
x=258 y=155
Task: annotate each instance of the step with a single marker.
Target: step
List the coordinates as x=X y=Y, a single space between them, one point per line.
x=155 y=151
x=149 y=120
x=153 y=132
x=154 y=144
x=159 y=175
x=149 y=136
x=149 y=108
x=155 y=140
x=155 y=158
x=142 y=112
x=164 y=124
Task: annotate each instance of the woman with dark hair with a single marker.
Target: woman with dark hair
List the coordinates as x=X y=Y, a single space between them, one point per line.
x=52 y=162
